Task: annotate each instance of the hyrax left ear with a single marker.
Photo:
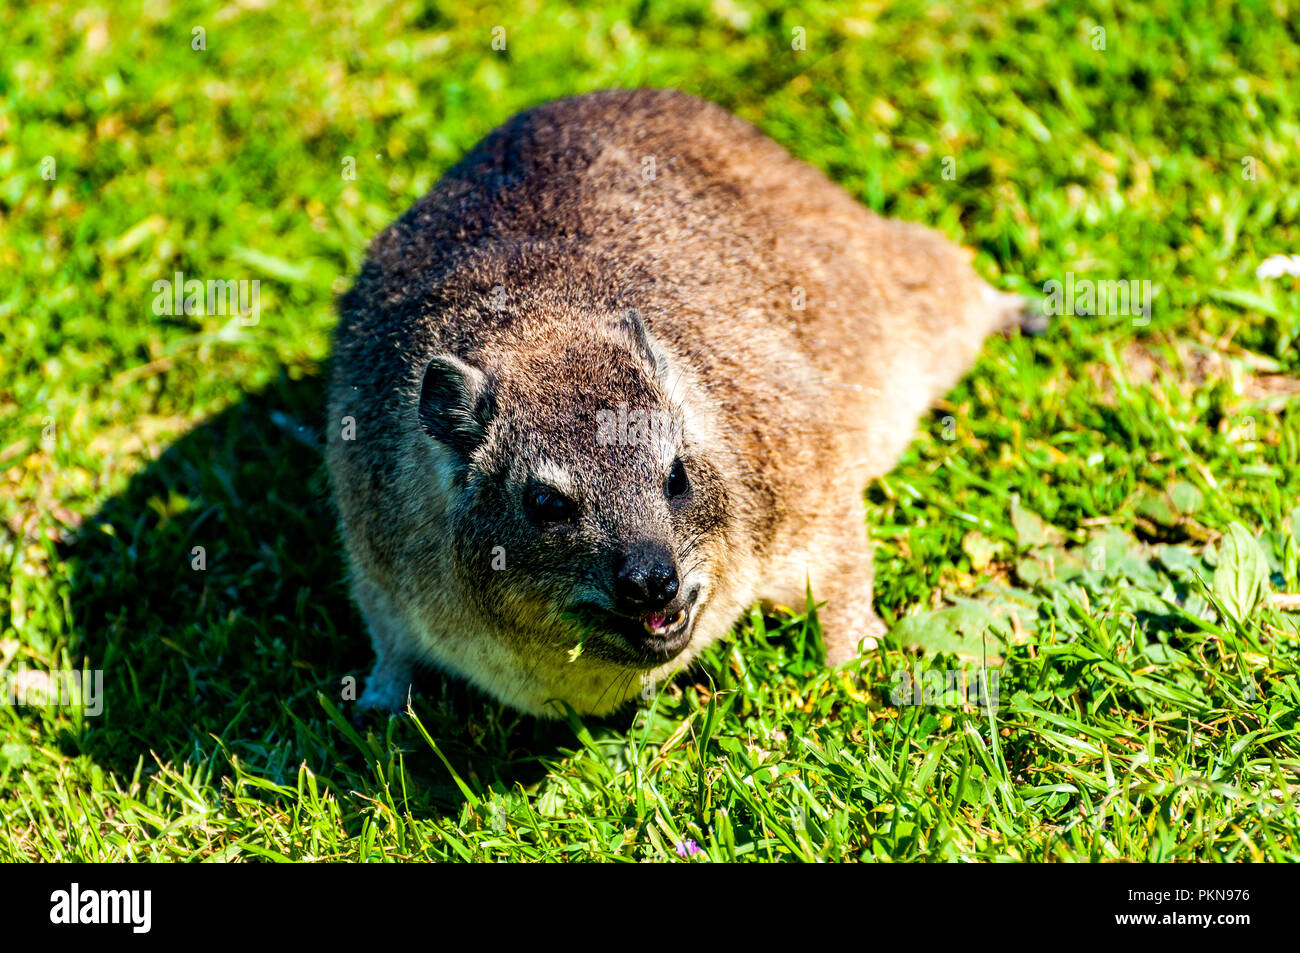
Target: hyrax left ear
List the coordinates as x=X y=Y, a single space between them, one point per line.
x=631 y=324
x=455 y=403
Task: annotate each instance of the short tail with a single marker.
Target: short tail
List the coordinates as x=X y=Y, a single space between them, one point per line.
x=1017 y=313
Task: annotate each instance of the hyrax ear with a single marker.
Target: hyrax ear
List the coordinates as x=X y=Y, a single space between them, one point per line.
x=455 y=403
x=631 y=325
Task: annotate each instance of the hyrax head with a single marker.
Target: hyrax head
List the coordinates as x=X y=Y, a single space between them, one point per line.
x=584 y=517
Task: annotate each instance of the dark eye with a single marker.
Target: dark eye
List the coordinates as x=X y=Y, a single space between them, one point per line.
x=677 y=484
x=548 y=506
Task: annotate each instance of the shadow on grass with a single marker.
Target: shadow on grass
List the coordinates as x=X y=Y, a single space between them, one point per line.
x=211 y=593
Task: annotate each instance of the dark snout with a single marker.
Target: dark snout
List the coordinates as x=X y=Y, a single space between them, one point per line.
x=645 y=580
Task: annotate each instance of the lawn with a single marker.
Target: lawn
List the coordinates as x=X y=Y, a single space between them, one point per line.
x=1105 y=519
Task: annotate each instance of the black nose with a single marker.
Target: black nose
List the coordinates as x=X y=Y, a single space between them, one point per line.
x=646 y=581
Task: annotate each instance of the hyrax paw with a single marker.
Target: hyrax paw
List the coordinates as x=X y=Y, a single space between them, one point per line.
x=841 y=652
x=847 y=646
x=384 y=694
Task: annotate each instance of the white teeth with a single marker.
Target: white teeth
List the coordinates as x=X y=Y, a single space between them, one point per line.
x=668 y=624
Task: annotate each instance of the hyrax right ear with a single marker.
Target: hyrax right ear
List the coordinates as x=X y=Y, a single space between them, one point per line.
x=455 y=403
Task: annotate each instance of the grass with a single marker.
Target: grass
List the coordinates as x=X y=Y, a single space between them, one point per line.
x=1066 y=516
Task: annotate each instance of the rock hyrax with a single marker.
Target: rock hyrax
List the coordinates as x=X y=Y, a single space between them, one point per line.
x=623 y=373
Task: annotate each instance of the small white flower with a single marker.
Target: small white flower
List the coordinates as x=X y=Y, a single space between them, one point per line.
x=1277 y=266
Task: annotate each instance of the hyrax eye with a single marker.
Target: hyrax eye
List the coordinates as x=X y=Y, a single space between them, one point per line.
x=677 y=484
x=548 y=506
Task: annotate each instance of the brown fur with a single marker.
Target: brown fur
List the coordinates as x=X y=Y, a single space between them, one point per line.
x=791 y=337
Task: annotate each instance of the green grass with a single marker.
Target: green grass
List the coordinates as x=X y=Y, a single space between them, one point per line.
x=1065 y=514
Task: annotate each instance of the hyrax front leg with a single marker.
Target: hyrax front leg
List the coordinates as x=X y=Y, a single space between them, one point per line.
x=850 y=626
x=389 y=683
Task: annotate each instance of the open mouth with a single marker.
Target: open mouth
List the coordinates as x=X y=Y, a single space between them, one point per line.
x=664 y=635
x=648 y=640
x=661 y=626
